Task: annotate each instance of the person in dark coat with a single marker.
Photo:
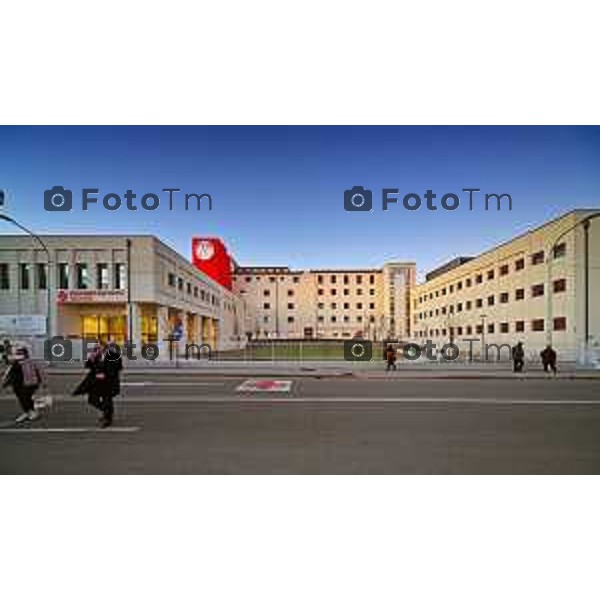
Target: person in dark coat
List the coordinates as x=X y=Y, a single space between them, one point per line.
x=102 y=383
x=518 y=356
x=25 y=377
x=390 y=357
x=548 y=356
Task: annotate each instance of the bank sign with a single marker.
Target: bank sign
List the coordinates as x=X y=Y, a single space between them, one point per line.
x=90 y=296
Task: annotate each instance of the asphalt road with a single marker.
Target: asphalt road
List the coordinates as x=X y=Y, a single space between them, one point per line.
x=182 y=423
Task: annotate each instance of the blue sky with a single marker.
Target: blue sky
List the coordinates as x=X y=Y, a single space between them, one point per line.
x=278 y=191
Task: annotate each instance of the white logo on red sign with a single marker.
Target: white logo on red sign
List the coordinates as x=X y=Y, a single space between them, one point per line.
x=205 y=250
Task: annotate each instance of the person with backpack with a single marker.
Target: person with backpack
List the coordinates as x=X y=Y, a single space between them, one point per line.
x=25 y=377
x=390 y=357
x=518 y=356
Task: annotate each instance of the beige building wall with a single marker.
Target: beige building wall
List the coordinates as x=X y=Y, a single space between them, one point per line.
x=508 y=294
x=165 y=290
x=329 y=303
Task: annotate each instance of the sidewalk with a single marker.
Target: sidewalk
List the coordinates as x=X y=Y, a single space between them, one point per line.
x=336 y=368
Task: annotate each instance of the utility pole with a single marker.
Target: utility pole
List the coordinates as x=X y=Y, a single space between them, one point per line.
x=129 y=304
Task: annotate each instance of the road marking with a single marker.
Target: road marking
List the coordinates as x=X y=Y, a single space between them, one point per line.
x=265 y=385
x=69 y=429
x=508 y=401
x=172 y=383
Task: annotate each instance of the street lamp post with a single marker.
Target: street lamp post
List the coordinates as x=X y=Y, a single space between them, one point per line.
x=585 y=221
x=483 y=353
x=5 y=217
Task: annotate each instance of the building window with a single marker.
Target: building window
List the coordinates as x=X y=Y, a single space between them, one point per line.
x=333 y=319
x=359 y=305
x=290 y=306
x=196 y=291
x=266 y=306
x=120 y=276
x=42 y=276
x=520 y=264
x=359 y=280
x=537 y=258
x=290 y=319
x=266 y=319
x=479 y=302
x=320 y=318
x=560 y=323
x=537 y=290
x=359 y=292
x=63 y=276
x=468 y=282
x=346 y=319
x=479 y=329
x=180 y=283
x=459 y=307
x=479 y=278
x=372 y=292
x=520 y=294
x=459 y=287
x=266 y=292
x=559 y=285
x=290 y=292
x=102 y=282
x=272 y=279
x=320 y=291
x=296 y=279
x=372 y=305
x=503 y=270
x=520 y=326
x=24 y=272
x=346 y=305
x=443 y=291
x=503 y=327
x=333 y=305
x=333 y=279
x=560 y=250
x=4 y=277
x=469 y=330
x=371 y=279
x=490 y=328
x=172 y=279
x=504 y=298
x=537 y=325
x=490 y=274
x=490 y=300
x=469 y=305
x=321 y=306
x=319 y=279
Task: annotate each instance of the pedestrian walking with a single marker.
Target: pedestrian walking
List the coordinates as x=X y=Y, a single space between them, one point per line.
x=390 y=357
x=518 y=355
x=548 y=356
x=102 y=382
x=25 y=377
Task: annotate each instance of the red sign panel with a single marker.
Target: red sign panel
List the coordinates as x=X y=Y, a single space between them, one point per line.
x=211 y=257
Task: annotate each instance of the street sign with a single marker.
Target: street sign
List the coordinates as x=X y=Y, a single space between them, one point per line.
x=265 y=385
